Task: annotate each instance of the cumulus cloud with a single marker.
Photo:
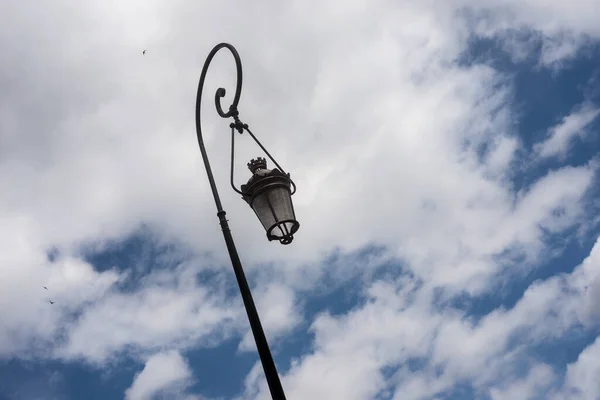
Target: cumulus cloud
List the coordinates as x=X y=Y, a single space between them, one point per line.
x=279 y=314
x=163 y=372
x=538 y=379
x=582 y=375
x=558 y=30
x=571 y=126
x=432 y=349
x=30 y=324
x=148 y=319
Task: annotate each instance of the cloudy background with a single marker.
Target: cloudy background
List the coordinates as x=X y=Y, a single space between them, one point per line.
x=447 y=161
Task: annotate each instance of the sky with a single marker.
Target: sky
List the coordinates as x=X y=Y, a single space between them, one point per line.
x=446 y=156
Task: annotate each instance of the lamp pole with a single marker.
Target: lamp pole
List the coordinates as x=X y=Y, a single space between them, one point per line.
x=262 y=345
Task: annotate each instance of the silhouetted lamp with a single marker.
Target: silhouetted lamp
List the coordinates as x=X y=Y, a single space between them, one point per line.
x=269 y=194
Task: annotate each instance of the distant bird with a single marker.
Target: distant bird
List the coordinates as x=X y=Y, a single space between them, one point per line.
x=45 y=288
x=51 y=302
x=144 y=52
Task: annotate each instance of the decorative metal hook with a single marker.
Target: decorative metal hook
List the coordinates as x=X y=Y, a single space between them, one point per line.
x=220 y=93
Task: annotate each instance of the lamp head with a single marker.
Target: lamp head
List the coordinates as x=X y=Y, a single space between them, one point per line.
x=268 y=192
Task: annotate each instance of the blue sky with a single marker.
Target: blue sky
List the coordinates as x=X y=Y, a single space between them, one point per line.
x=446 y=158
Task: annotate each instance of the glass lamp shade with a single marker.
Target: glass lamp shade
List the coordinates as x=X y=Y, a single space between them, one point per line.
x=268 y=193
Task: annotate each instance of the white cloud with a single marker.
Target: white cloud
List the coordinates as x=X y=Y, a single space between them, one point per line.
x=29 y=322
x=571 y=126
x=562 y=28
x=582 y=375
x=399 y=323
x=538 y=379
x=163 y=372
x=501 y=155
x=158 y=315
x=555 y=50
x=279 y=314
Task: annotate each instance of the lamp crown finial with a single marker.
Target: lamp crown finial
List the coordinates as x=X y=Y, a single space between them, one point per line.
x=256 y=164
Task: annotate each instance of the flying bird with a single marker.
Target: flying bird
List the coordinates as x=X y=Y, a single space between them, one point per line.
x=144 y=52
x=45 y=288
x=51 y=302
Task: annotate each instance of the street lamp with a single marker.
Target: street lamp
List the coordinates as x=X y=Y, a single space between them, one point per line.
x=268 y=192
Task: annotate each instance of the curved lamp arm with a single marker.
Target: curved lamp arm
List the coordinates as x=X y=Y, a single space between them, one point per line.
x=232 y=112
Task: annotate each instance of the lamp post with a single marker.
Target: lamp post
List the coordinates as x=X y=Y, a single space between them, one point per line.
x=268 y=192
